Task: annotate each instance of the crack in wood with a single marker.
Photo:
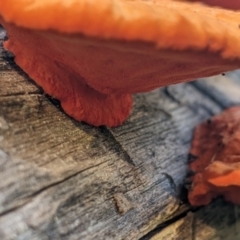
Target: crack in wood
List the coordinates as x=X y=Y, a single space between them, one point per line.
x=171 y=181
x=207 y=94
x=122 y=152
x=171 y=96
x=47 y=187
x=168 y=222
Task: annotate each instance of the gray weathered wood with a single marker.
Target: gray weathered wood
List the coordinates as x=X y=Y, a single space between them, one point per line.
x=61 y=179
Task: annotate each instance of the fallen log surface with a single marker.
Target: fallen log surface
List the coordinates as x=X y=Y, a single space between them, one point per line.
x=62 y=179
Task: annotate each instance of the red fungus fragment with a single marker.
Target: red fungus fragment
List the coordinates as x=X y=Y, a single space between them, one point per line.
x=216 y=146
x=92 y=55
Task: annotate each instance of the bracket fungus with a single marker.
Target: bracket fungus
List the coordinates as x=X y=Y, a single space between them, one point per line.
x=92 y=55
x=217 y=165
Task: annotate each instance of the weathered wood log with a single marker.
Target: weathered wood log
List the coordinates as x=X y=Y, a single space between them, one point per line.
x=61 y=179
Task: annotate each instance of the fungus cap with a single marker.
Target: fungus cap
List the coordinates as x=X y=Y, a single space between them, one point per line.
x=92 y=55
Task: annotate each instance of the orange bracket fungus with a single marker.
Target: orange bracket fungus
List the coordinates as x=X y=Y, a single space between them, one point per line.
x=217 y=165
x=92 y=55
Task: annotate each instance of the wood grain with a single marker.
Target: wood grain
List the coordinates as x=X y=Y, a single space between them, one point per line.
x=62 y=179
